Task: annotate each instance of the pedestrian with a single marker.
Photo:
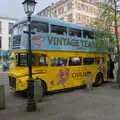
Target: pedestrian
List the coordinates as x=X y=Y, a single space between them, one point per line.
x=115 y=70
x=89 y=81
x=110 y=68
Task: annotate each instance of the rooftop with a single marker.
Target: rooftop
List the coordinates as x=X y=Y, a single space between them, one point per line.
x=8 y=18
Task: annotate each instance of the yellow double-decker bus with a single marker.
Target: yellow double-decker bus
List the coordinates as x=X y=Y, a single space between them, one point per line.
x=62 y=55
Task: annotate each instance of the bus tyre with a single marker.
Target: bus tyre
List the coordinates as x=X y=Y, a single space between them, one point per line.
x=99 y=79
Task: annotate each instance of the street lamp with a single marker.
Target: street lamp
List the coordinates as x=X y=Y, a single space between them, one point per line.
x=29 y=6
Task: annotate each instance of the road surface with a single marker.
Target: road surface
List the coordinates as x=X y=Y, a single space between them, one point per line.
x=103 y=103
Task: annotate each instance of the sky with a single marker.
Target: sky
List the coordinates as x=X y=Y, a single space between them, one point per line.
x=14 y=8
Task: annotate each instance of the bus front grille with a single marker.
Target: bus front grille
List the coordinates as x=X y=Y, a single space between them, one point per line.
x=12 y=82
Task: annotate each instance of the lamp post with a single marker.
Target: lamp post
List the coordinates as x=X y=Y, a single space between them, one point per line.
x=29 y=6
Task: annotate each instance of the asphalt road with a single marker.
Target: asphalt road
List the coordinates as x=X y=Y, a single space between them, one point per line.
x=103 y=103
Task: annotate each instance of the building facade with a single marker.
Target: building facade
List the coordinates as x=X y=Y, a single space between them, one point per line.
x=76 y=11
x=5 y=35
x=5 y=31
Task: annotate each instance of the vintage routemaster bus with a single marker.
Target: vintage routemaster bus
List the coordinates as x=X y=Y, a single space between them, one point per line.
x=62 y=55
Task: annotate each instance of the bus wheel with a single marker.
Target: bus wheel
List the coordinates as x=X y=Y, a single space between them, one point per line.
x=99 y=79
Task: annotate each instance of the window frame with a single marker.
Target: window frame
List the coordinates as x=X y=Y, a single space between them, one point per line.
x=73 y=64
x=45 y=60
x=96 y=61
x=87 y=36
x=46 y=30
x=10 y=26
x=59 y=65
x=90 y=62
x=73 y=30
x=57 y=26
x=18 y=59
x=19 y=63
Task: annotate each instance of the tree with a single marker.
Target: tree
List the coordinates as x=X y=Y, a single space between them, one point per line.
x=104 y=40
x=103 y=24
x=108 y=19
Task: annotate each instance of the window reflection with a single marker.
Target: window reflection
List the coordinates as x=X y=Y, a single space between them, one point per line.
x=39 y=27
x=58 y=30
x=75 y=61
x=88 y=61
x=37 y=59
x=58 y=61
x=19 y=29
x=74 y=32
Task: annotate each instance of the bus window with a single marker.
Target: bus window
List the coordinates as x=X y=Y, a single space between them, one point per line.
x=97 y=60
x=75 y=61
x=58 y=61
x=39 y=27
x=88 y=34
x=74 y=32
x=88 y=61
x=103 y=60
x=16 y=42
x=21 y=59
x=43 y=60
x=58 y=30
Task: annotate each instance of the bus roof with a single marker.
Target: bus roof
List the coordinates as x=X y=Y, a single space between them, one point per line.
x=55 y=21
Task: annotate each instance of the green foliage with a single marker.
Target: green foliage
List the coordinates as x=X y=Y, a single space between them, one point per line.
x=105 y=21
x=103 y=40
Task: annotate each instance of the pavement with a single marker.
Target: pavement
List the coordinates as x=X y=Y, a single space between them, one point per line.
x=102 y=103
x=1 y=71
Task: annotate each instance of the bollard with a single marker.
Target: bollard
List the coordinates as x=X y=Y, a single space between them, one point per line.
x=2 y=97
x=38 y=91
x=89 y=81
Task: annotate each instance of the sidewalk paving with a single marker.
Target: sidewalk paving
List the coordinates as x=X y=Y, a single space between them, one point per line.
x=3 y=71
x=100 y=104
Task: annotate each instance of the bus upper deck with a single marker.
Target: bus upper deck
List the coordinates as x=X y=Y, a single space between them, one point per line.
x=56 y=32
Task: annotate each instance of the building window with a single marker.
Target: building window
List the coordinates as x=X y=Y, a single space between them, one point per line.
x=83 y=7
x=69 y=6
x=0 y=42
x=78 y=6
x=10 y=27
x=0 y=27
x=86 y=8
x=79 y=17
x=61 y=10
x=69 y=18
